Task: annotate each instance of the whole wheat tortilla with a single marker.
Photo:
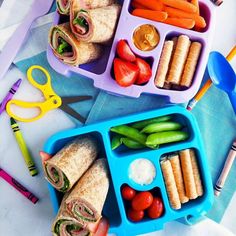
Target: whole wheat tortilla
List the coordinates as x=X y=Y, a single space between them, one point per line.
x=82 y=52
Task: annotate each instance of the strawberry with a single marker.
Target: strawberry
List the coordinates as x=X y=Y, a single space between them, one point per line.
x=145 y=71
x=124 y=51
x=125 y=72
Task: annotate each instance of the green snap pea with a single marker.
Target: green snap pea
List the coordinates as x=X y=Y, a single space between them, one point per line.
x=116 y=141
x=132 y=144
x=161 y=126
x=143 y=123
x=130 y=132
x=166 y=137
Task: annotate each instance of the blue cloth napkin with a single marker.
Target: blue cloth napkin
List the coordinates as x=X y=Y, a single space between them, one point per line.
x=73 y=86
x=214 y=114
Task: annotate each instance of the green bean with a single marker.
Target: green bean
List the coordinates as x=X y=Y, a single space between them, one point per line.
x=116 y=141
x=132 y=144
x=143 y=123
x=161 y=126
x=130 y=132
x=166 y=137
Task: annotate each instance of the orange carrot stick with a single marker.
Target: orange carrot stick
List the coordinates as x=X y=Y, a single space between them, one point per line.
x=159 y=16
x=195 y=3
x=180 y=22
x=180 y=4
x=135 y=5
x=172 y=12
x=155 y=5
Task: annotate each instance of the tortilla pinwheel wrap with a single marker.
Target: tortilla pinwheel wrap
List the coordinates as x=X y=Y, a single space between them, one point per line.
x=94 y=25
x=65 y=168
x=68 y=49
x=63 y=6
x=86 y=200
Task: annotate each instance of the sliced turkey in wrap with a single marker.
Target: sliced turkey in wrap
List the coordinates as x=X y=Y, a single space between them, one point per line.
x=68 y=49
x=87 y=198
x=65 y=168
x=63 y=6
x=95 y=25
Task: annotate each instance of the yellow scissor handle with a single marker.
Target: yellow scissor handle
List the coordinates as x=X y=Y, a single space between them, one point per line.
x=43 y=107
x=45 y=88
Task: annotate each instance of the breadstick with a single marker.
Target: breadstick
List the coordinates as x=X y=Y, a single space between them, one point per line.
x=179 y=58
x=189 y=182
x=175 y=164
x=196 y=174
x=164 y=63
x=170 y=184
x=190 y=64
x=167 y=85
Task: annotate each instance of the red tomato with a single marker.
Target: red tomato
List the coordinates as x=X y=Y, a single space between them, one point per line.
x=142 y=201
x=128 y=193
x=145 y=72
x=125 y=72
x=156 y=209
x=124 y=51
x=135 y=215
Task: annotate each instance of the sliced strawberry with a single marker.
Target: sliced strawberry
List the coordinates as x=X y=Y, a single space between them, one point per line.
x=126 y=73
x=124 y=51
x=103 y=228
x=145 y=71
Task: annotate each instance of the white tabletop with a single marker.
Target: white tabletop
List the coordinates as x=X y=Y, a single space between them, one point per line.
x=18 y=216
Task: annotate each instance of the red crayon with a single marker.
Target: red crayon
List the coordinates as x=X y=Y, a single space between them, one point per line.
x=14 y=183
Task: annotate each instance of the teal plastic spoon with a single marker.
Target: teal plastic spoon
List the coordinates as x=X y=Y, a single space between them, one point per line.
x=223 y=75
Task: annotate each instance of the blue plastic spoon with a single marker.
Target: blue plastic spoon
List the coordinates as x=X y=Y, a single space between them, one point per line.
x=223 y=75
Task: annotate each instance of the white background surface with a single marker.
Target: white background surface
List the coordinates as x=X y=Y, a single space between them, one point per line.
x=18 y=216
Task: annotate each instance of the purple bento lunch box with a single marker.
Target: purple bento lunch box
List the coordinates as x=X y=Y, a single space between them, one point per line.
x=100 y=71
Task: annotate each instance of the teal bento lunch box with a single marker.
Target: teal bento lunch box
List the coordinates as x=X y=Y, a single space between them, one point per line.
x=119 y=161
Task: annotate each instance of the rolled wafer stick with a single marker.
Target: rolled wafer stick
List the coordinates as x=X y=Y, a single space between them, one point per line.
x=170 y=184
x=164 y=63
x=190 y=64
x=196 y=173
x=179 y=181
x=187 y=169
x=179 y=59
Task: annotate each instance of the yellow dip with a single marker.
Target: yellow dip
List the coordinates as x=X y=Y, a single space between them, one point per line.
x=146 y=37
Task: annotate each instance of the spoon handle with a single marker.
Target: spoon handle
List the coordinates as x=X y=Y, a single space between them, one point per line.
x=232 y=97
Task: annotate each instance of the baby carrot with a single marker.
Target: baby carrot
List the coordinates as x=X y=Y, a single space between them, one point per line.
x=159 y=16
x=136 y=5
x=172 y=12
x=180 y=22
x=195 y=3
x=155 y=5
x=182 y=5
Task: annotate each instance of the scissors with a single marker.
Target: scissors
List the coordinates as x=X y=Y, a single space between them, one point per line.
x=52 y=100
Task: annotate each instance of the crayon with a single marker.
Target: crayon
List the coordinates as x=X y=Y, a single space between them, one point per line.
x=9 y=95
x=21 y=142
x=14 y=183
x=224 y=173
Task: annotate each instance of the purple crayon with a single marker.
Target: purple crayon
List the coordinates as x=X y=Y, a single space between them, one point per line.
x=14 y=183
x=9 y=95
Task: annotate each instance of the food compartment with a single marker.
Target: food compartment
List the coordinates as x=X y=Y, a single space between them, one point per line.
x=56 y=143
x=186 y=181
x=201 y=18
x=142 y=206
x=161 y=132
x=97 y=66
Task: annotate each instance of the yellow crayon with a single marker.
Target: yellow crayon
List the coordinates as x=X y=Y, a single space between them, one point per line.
x=22 y=145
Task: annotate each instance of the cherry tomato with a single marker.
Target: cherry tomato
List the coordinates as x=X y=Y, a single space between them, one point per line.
x=142 y=201
x=135 y=215
x=156 y=209
x=128 y=193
